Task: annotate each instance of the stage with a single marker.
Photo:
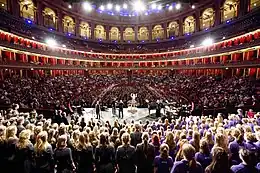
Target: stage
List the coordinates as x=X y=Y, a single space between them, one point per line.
x=140 y=114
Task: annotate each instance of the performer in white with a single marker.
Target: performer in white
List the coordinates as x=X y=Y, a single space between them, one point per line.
x=132 y=104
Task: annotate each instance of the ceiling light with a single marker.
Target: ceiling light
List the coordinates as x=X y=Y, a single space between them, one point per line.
x=64 y=45
x=109 y=6
x=69 y=6
x=102 y=7
x=153 y=6
x=125 y=6
x=3 y=5
x=254 y=4
x=51 y=42
x=193 y=6
x=159 y=7
x=170 y=8
x=87 y=6
x=178 y=6
x=207 y=42
x=139 y=6
x=117 y=8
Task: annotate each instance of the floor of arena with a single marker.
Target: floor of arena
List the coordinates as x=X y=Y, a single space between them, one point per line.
x=139 y=114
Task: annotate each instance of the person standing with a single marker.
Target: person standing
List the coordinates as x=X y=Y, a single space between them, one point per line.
x=98 y=109
x=121 y=109
x=114 y=107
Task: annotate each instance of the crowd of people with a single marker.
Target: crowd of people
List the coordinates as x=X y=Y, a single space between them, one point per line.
x=61 y=91
x=30 y=143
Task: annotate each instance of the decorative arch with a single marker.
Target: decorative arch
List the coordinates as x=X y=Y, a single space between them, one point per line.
x=84 y=30
x=68 y=25
x=157 y=32
x=143 y=33
x=254 y=4
x=129 y=34
x=189 y=25
x=229 y=10
x=100 y=32
x=114 y=34
x=27 y=9
x=207 y=18
x=173 y=29
x=49 y=18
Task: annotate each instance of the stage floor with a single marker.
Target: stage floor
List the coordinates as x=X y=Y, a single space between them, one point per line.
x=141 y=114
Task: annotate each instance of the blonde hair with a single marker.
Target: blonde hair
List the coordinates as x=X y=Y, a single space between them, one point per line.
x=170 y=140
x=164 y=151
x=41 y=142
x=83 y=141
x=125 y=138
x=24 y=139
x=62 y=141
x=2 y=134
x=11 y=132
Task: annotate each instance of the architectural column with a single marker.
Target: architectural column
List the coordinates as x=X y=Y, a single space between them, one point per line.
x=92 y=30
x=107 y=32
x=121 y=34
x=136 y=33
x=197 y=20
x=218 y=13
x=77 y=23
x=39 y=13
x=150 y=29
x=15 y=8
x=243 y=7
x=60 y=25
x=165 y=30
x=181 y=26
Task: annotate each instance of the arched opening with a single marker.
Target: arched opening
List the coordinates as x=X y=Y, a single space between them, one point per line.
x=100 y=32
x=229 y=10
x=158 y=32
x=254 y=4
x=3 y=4
x=207 y=18
x=189 y=25
x=173 y=29
x=27 y=9
x=68 y=25
x=84 y=30
x=114 y=34
x=129 y=34
x=49 y=18
x=143 y=34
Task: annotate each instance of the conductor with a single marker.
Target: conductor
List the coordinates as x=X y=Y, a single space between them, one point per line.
x=98 y=109
x=121 y=108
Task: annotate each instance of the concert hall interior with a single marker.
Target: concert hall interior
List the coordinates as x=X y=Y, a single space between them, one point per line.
x=129 y=86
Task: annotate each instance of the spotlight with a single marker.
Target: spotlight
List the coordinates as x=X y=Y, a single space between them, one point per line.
x=33 y=38
x=125 y=6
x=102 y=7
x=51 y=42
x=139 y=6
x=223 y=38
x=192 y=46
x=153 y=6
x=87 y=6
x=159 y=7
x=117 y=8
x=226 y=68
x=254 y=4
x=64 y=46
x=109 y=6
x=193 y=6
x=207 y=42
x=69 y=6
x=170 y=8
x=3 y=5
x=178 y=6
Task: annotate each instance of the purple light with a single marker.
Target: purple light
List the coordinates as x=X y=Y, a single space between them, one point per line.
x=50 y=29
x=157 y=40
x=86 y=38
x=228 y=21
x=142 y=41
x=172 y=38
x=146 y=13
x=29 y=21
x=206 y=29
x=69 y=34
x=100 y=40
x=129 y=41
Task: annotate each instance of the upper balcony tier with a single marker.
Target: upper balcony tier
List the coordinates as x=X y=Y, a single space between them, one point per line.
x=101 y=32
